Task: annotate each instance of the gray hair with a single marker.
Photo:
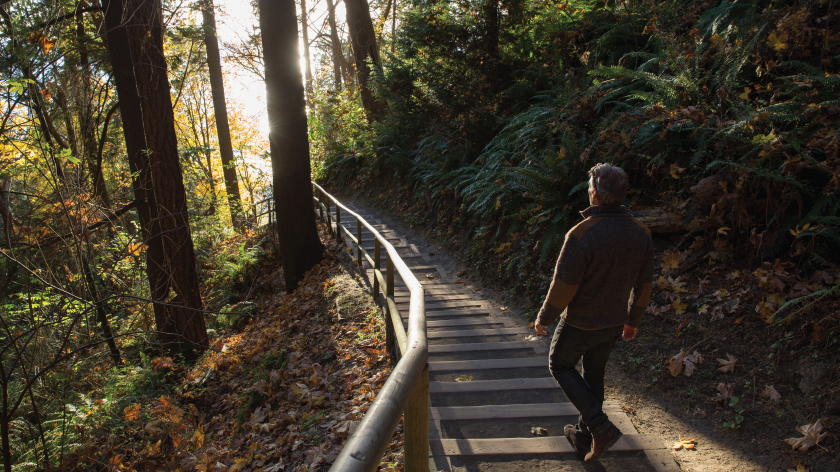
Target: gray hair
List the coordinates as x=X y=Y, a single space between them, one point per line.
x=610 y=182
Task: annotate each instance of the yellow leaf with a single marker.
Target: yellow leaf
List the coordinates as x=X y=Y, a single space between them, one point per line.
x=671 y=261
x=676 y=170
x=198 y=439
x=684 y=443
x=777 y=40
x=679 y=306
x=746 y=95
x=723 y=230
x=464 y=378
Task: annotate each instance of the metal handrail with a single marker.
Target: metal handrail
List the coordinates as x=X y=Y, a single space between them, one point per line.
x=406 y=391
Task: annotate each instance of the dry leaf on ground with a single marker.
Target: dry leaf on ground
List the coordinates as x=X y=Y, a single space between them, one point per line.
x=684 y=362
x=464 y=378
x=537 y=431
x=812 y=434
x=726 y=392
x=684 y=443
x=772 y=394
x=728 y=364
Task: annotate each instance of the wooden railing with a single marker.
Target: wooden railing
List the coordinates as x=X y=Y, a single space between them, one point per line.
x=406 y=392
x=269 y=210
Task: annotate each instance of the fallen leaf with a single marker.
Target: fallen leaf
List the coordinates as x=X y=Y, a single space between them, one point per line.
x=464 y=378
x=153 y=426
x=679 y=307
x=537 y=431
x=725 y=393
x=461 y=273
x=771 y=393
x=728 y=364
x=812 y=434
x=684 y=443
x=430 y=276
x=799 y=468
x=684 y=362
x=131 y=413
x=671 y=261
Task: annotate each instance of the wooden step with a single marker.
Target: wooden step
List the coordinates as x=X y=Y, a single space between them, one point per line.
x=544 y=445
x=515 y=363
x=507 y=322
x=465 y=347
x=542 y=383
x=443 y=305
x=463 y=312
x=436 y=297
x=529 y=410
x=469 y=333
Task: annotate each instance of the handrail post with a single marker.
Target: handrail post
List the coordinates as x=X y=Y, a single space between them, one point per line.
x=329 y=218
x=337 y=222
x=416 y=426
x=359 y=241
x=376 y=255
x=270 y=216
x=390 y=338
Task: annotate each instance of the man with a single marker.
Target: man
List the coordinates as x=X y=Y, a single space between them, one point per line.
x=601 y=288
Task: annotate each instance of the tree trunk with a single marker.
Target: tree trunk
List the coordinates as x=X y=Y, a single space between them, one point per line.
x=217 y=86
x=297 y=233
x=363 y=38
x=336 y=44
x=394 y=28
x=492 y=42
x=383 y=21
x=304 y=28
x=87 y=123
x=183 y=330
x=122 y=66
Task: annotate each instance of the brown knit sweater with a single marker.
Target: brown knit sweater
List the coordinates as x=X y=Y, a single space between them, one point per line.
x=604 y=273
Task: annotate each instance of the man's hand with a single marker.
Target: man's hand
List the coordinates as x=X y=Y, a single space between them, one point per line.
x=629 y=332
x=540 y=329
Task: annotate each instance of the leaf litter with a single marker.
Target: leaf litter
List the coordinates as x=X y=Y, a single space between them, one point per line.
x=284 y=394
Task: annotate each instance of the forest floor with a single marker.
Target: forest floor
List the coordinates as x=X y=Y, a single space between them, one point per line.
x=282 y=392
x=739 y=413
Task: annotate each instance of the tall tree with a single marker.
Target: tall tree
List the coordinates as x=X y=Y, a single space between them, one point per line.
x=119 y=52
x=363 y=38
x=297 y=233
x=182 y=330
x=337 y=57
x=304 y=27
x=217 y=86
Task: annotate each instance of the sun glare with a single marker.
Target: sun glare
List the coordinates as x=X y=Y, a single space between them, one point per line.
x=233 y=18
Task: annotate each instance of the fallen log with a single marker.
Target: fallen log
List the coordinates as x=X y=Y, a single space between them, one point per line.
x=659 y=220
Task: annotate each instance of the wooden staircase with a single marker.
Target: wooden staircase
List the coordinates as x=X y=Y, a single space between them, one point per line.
x=485 y=423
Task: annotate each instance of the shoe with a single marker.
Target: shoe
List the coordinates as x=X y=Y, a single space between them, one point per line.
x=602 y=442
x=580 y=449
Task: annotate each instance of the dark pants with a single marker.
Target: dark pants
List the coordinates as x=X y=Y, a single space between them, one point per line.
x=587 y=392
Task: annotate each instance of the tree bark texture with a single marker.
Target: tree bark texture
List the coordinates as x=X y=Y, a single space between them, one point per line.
x=363 y=38
x=336 y=44
x=217 y=87
x=183 y=330
x=297 y=233
x=119 y=52
x=304 y=28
